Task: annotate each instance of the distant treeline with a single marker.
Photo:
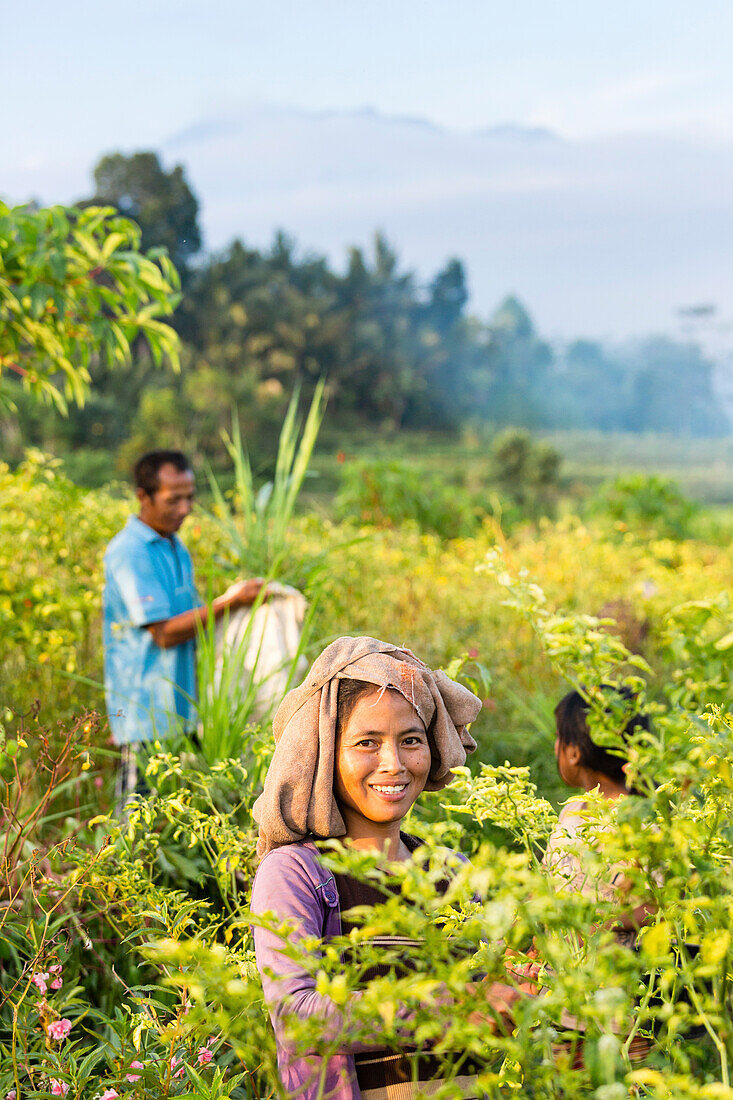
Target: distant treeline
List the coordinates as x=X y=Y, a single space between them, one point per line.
x=397 y=353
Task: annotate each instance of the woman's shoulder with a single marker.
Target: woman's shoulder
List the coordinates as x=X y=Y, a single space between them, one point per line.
x=292 y=876
x=573 y=813
x=303 y=855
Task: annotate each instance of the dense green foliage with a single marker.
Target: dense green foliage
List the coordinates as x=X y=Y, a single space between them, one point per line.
x=75 y=293
x=397 y=353
x=140 y=929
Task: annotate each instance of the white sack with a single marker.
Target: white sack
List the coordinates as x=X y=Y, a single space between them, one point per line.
x=271 y=646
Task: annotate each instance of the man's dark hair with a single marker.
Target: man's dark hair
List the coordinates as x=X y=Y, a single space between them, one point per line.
x=571 y=717
x=147 y=468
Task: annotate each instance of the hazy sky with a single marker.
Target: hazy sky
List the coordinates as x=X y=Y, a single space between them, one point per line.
x=81 y=79
x=83 y=76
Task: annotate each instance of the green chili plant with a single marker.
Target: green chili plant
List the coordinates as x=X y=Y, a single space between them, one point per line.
x=83 y=1011
x=593 y=1018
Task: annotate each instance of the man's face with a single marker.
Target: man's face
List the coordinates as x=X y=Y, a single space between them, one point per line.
x=166 y=509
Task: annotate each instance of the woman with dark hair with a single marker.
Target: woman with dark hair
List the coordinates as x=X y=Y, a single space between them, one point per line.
x=583 y=763
x=367 y=731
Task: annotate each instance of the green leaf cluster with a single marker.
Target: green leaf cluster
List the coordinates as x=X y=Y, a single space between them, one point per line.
x=75 y=290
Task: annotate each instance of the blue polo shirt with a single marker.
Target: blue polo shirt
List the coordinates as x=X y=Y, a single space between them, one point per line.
x=149 y=690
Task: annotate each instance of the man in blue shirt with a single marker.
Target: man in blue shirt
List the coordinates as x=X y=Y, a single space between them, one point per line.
x=152 y=612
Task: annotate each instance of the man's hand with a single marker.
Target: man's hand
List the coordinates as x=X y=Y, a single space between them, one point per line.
x=242 y=593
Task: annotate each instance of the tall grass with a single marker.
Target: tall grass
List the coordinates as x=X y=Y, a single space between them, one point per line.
x=257 y=524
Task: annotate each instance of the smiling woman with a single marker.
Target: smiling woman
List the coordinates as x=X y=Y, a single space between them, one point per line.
x=382 y=764
x=369 y=729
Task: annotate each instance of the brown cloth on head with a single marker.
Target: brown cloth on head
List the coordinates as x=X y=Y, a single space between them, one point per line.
x=298 y=798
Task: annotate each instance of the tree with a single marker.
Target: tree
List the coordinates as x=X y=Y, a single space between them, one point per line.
x=75 y=288
x=521 y=368
x=591 y=388
x=672 y=389
x=448 y=296
x=161 y=202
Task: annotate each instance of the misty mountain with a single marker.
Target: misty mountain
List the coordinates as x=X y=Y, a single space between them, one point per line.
x=605 y=237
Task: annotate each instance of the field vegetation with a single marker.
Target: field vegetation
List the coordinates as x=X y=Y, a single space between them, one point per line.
x=139 y=929
x=126 y=960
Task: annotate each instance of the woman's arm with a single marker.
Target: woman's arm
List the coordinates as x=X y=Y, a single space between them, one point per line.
x=284 y=889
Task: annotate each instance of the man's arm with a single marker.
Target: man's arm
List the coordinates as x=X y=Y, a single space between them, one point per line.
x=180 y=628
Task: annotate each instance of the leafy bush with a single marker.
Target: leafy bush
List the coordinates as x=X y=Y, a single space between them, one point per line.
x=78 y=1012
x=390 y=493
x=647 y=504
x=75 y=287
x=51 y=536
x=526 y=473
x=162 y=904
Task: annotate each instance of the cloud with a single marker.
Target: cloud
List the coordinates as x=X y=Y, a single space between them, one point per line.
x=650 y=99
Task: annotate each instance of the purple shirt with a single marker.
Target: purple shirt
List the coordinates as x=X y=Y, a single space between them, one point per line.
x=292 y=883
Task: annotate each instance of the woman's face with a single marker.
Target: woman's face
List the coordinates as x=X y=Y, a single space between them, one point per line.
x=382 y=760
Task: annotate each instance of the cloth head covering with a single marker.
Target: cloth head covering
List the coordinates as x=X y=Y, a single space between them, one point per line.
x=298 y=798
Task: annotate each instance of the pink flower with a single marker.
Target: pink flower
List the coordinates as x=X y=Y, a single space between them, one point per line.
x=39 y=980
x=109 y=1094
x=58 y=1088
x=132 y=1077
x=473 y=654
x=10 y=1095
x=56 y=968
x=98 y=782
x=205 y=1056
x=59 y=1029
x=174 y=1062
x=56 y=983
